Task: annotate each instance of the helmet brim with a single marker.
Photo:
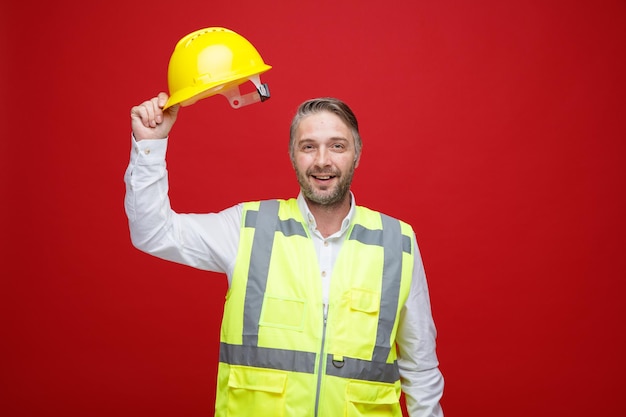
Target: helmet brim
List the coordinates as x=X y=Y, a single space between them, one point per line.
x=198 y=91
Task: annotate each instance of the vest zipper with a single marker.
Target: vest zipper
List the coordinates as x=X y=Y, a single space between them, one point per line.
x=321 y=363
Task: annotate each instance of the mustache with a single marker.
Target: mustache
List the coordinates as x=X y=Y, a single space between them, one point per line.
x=322 y=172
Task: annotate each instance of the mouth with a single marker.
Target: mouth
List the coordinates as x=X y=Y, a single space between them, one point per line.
x=321 y=177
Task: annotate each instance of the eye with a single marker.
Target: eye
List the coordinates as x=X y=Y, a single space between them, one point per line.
x=338 y=146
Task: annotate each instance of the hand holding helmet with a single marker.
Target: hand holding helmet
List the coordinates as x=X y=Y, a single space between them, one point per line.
x=150 y=121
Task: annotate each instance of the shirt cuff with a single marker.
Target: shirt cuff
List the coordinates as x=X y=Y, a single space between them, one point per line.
x=149 y=151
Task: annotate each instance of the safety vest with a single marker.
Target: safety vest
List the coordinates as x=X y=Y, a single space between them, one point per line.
x=279 y=354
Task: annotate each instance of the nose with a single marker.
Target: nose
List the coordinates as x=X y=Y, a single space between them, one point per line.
x=322 y=157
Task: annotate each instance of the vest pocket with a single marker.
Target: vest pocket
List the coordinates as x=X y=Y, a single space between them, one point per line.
x=256 y=392
x=365 y=301
x=283 y=313
x=371 y=400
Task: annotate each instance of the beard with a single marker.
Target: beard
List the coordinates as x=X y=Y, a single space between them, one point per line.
x=333 y=195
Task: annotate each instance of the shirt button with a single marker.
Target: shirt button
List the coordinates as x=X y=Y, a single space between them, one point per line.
x=325 y=243
x=323 y=273
x=147 y=151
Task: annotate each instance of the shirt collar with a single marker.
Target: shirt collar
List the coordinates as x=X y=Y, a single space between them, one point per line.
x=310 y=219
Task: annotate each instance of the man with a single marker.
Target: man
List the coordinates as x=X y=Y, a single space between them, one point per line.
x=327 y=311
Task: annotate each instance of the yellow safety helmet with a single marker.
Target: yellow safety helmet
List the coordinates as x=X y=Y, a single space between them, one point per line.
x=213 y=61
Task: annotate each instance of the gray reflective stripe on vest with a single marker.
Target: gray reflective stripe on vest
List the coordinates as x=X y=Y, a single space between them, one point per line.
x=260 y=357
x=289 y=227
x=259 y=266
x=364 y=370
x=392 y=275
x=375 y=237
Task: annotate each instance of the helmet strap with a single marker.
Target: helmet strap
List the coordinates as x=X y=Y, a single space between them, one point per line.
x=237 y=100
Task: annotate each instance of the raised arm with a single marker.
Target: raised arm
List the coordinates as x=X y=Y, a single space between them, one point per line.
x=205 y=241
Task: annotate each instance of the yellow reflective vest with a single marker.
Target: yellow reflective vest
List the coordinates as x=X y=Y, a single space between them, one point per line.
x=280 y=355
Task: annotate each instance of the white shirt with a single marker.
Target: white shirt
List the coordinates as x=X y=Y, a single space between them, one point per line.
x=210 y=242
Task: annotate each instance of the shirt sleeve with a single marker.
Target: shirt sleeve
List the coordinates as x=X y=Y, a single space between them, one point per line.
x=205 y=241
x=422 y=381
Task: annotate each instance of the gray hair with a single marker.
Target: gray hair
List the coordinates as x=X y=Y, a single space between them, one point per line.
x=331 y=105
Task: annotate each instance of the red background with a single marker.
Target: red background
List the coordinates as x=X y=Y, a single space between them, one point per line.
x=495 y=128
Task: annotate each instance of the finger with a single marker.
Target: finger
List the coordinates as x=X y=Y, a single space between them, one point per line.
x=149 y=113
x=162 y=99
x=155 y=112
x=140 y=113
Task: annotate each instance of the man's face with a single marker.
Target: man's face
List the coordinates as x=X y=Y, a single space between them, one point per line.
x=324 y=158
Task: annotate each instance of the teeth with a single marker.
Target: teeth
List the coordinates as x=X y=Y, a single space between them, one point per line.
x=326 y=177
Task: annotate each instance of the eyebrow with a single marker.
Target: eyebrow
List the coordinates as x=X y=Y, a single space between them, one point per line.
x=332 y=139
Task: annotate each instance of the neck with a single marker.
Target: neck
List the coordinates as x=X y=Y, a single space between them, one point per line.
x=329 y=217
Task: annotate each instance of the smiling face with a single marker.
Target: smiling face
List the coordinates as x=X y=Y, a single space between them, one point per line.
x=324 y=157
